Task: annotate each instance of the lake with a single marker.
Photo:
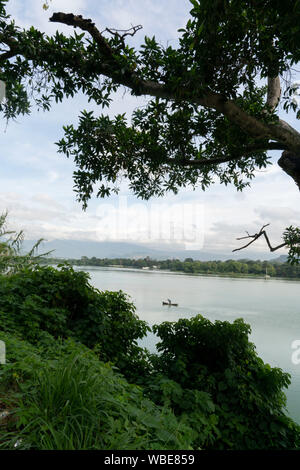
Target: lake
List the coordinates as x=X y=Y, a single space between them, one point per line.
x=270 y=306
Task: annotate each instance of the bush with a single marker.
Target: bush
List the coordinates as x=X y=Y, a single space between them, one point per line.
x=247 y=404
x=63 y=304
x=74 y=402
x=207 y=373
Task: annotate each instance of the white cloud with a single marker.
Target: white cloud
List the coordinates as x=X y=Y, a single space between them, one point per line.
x=31 y=13
x=45 y=199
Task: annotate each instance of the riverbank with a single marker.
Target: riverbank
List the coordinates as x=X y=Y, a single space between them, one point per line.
x=230 y=268
x=204 y=274
x=162 y=271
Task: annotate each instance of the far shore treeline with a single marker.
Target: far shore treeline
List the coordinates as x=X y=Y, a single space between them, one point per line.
x=242 y=267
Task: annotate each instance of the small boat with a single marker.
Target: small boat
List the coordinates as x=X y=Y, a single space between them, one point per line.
x=170 y=303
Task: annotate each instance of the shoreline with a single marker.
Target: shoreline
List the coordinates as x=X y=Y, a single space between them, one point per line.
x=165 y=271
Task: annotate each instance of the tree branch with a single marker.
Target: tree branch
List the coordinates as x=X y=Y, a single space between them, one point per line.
x=249 y=124
x=290 y=163
x=258 y=235
x=217 y=161
x=215 y=101
x=286 y=136
x=85 y=25
x=12 y=44
x=274 y=92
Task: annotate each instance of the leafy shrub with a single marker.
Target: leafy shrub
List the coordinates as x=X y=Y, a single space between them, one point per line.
x=243 y=398
x=195 y=407
x=63 y=303
x=207 y=373
x=74 y=401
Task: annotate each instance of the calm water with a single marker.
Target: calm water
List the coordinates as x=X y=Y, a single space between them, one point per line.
x=271 y=307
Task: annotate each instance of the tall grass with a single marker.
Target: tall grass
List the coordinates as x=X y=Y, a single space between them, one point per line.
x=11 y=258
x=76 y=402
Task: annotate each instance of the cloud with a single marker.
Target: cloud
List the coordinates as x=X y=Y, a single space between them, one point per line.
x=31 y=13
x=153 y=222
x=149 y=13
x=46 y=200
x=281 y=214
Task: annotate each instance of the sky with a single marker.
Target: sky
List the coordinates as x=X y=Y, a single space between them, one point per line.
x=36 y=184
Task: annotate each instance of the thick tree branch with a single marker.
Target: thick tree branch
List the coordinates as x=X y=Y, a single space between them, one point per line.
x=7 y=55
x=286 y=136
x=258 y=235
x=211 y=100
x=274 y=92
x=85 y=25
x=12 y=44
x=290 y=163
x=234 y=113
x=232 y=157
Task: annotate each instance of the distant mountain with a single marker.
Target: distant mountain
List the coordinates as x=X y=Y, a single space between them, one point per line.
x=280 y=259
x=77 y=248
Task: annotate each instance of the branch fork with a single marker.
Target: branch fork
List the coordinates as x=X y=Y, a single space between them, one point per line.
x=258 y=235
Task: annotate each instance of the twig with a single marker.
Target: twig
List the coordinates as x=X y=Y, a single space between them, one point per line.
x=84 y=25
x=256 y=236
x=126 y=32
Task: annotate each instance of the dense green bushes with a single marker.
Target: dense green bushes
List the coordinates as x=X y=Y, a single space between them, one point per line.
x=205 y=389
x=247 y=395
x=63 y=303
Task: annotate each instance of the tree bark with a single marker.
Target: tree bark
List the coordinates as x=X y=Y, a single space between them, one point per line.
x=274 y=92
x=290 y=163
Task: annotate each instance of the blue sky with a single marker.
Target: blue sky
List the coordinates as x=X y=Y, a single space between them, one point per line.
x=36 y=182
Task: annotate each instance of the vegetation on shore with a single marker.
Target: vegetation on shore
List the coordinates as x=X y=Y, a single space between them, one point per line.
x=243 y=267
x=75 y=377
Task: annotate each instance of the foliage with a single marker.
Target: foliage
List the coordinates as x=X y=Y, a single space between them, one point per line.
x=46 y=4
x=214 y=366
x=153 y=151
x=62 y=303
x=208 y=374
x=74 y=401
x=11 y=259
x=194 y=407
x=185 y=131
x=291 y=236
x=230 y=267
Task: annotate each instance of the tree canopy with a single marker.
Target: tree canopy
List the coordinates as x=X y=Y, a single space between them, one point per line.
x=212 y=109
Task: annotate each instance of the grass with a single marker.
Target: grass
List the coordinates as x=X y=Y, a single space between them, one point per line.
x=76 y=402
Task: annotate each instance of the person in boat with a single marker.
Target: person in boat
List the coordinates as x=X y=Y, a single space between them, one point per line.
x=169 y=303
